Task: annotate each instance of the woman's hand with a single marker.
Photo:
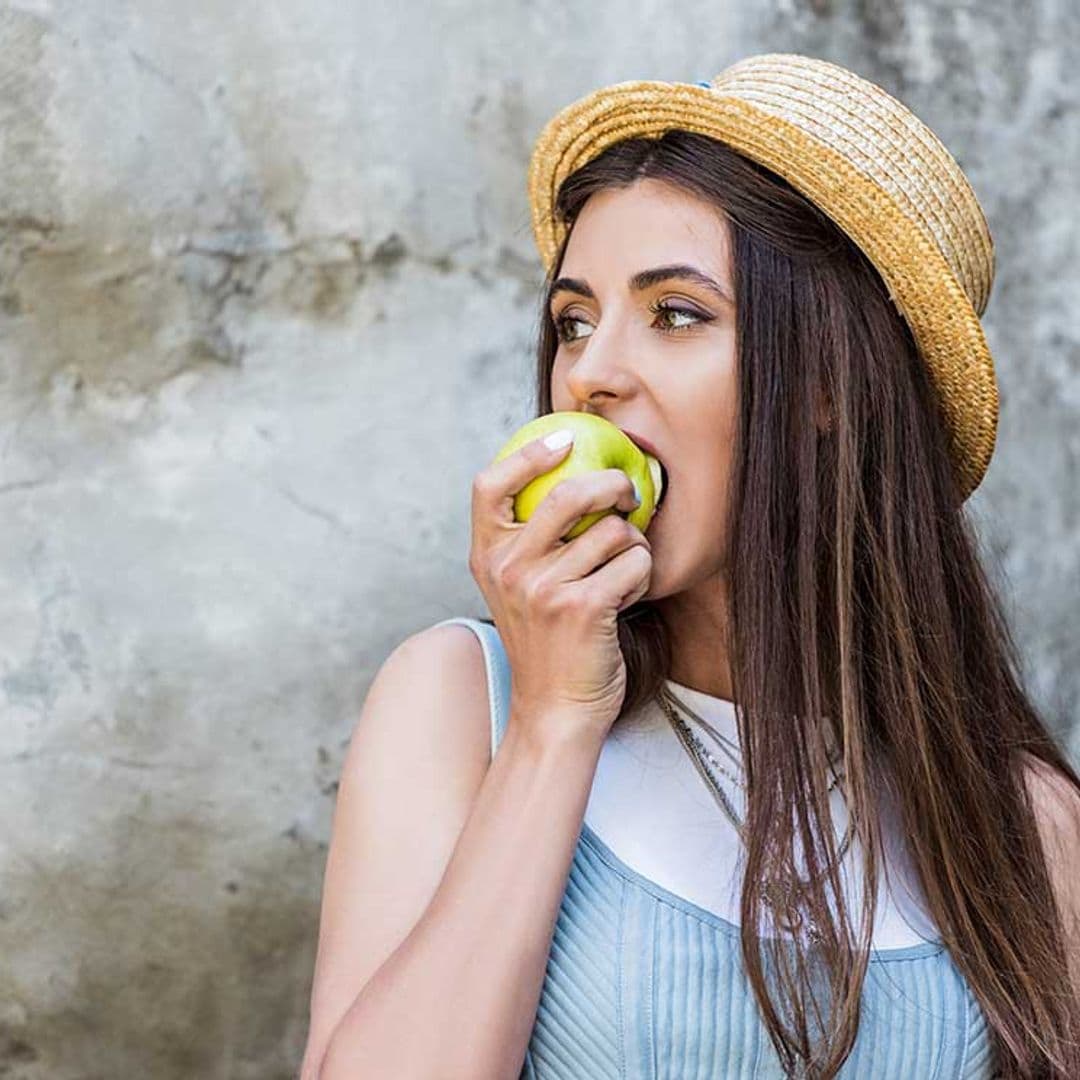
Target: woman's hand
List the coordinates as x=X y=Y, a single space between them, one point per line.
x=556 y=602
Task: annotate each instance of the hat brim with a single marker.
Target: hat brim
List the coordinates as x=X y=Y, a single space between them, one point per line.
x=921 y=284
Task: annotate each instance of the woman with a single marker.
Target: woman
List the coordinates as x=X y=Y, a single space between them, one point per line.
x=773 y=282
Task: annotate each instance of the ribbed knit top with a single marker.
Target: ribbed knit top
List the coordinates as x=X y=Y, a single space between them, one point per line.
x=644 y=983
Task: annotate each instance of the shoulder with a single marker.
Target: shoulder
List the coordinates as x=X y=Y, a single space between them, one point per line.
x=1055 y=802
x=433 y=689
x=448 y=659
x=448 y=650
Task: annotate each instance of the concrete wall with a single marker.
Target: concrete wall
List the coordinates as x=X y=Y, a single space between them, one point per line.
x=267 y=292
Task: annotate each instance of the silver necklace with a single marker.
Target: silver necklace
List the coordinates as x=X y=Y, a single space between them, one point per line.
x=731 y=749
x=699 y=756
x=771 y=895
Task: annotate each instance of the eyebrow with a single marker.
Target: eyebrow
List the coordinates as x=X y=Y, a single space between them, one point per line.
x=646 y=278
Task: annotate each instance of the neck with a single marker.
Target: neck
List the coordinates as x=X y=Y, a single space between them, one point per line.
x=698 y=621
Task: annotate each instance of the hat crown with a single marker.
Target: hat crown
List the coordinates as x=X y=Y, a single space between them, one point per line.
x=864 y=159
x=886 y=141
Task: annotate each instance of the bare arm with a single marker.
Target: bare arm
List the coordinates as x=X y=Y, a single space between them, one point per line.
x=418 y=754
x=444 y=875
x=456 y=995
x=458 y=998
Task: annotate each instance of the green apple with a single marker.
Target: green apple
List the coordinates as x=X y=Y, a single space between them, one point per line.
x=598 y=444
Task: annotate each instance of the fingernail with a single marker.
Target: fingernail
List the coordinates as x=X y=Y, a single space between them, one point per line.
x=558 y=439
x=637 y=493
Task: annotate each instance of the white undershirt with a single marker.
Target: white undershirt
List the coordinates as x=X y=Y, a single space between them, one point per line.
x=650 y=806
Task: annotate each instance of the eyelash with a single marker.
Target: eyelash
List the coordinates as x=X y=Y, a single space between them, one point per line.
x=657 y=308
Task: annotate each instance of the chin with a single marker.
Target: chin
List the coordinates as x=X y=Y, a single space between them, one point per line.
x=659 y=586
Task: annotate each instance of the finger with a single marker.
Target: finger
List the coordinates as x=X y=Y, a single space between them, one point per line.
x=641 y=587
x=599 y=543
x=618 y=582
x=570 y=500
x=495 y=486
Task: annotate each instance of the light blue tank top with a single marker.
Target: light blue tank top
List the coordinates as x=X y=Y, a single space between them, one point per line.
x=642 y=984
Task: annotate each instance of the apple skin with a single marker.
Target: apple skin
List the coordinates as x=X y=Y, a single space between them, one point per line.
x=598 y=444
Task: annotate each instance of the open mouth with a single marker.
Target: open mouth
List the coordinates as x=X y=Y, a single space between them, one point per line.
x=664 y=489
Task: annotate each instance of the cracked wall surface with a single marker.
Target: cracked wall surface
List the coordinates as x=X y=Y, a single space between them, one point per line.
x=267 y=302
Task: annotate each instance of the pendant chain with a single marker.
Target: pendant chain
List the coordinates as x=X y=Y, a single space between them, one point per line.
x=700 y=756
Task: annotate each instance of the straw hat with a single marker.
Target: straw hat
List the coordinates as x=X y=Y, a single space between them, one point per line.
x=861 y=156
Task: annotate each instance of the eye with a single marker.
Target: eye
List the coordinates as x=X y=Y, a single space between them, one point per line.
x=563 y=324
x=662 y=311
x=670 y=320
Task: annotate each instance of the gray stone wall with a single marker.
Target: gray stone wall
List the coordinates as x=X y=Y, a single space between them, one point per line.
x=267 y=299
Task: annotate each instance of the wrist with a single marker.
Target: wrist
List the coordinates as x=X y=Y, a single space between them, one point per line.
x=553 y=733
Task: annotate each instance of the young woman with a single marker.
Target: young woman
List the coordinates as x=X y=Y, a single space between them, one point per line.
x=797 y=683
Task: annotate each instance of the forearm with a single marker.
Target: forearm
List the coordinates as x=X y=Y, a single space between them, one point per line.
x=458 y=998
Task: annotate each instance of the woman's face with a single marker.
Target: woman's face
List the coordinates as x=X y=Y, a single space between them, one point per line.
x=656 y=356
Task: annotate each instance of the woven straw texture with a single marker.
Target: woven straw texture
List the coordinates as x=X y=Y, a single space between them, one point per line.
x=860 y=155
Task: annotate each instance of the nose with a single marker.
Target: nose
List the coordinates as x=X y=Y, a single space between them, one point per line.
x=601 y=368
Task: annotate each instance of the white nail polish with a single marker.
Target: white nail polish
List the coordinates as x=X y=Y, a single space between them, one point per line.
x=558 y=439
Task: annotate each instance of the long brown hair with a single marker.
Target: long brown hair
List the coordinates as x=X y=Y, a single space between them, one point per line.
x=857 y=596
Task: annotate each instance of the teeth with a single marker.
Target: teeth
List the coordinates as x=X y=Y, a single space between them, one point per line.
x=660 y=480
x=656 y=471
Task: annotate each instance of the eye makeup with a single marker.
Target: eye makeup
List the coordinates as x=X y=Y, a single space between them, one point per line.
x=662 y=310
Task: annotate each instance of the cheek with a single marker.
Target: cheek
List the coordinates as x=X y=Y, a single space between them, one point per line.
x=692 y=529
x=704 y=499
x=561 y=398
